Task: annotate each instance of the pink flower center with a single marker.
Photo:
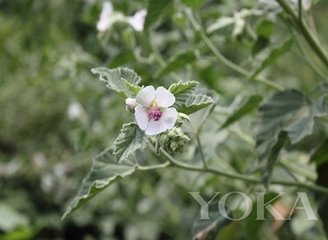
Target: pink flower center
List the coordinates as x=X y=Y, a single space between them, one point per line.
x=155 y=113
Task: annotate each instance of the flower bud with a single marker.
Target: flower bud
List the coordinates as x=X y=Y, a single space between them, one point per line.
x=130 y=104
x=174 y=140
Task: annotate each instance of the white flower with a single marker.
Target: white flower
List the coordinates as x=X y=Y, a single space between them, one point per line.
x=75 y=111
x=153 y=113
x=130 y=104
x=105 y=21
x=137 y=20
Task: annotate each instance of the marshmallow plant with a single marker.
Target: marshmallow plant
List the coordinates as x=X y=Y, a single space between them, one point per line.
x=157 y=114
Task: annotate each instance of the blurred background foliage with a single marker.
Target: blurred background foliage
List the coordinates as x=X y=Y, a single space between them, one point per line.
x=55 y=116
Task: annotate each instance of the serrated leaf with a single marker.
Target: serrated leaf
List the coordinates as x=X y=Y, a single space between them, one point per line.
x=116 y=79
x=182 y=90
x=156 y=9
x=187 y=102
x=130 y=139
x=177 y=62
x=195 y=103
x=183 y=87
x=248 y=105
x=290 y=111
x=104 y=171
x=272 y=56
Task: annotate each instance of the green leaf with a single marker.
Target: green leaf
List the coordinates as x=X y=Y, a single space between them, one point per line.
x=320 y=156
x=265 y=28
x=272 y=56
x=10 y=218
x=193 y=3
x=195 y=103
x=182 y=90
x=117 y=78
x=134 y=89
x=208 y=229
x=248 y=105
x=290 y=111
x=156 y=9
x=105 y=170
x=177 y=62
x=185 y=100
x=273 y=157
x=130 y=139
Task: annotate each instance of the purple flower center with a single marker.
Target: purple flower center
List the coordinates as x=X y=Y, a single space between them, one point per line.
x=155 y=113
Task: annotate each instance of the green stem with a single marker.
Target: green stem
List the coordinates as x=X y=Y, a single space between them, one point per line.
x=153 y=167
x=223 y=59
x=309 y=37
x=201 y=150
x=245 y=178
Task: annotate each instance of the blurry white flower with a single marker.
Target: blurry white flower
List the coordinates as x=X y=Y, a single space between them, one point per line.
x=75 y=111
x=153 y=113
x=137 y=20
x=105 y=20
x=239 y=24
x=108 y=17
x=130 y=104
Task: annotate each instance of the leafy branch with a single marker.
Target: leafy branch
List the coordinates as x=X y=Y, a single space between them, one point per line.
x=222 y=58
x=305 y=31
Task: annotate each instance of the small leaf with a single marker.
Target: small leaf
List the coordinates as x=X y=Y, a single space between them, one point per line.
x=105 y=170
x=208 y=229
x=248 y=105
x=134 y=89
x=183 y=87
x=290 y=111
x=273 y=157
x=320 y=156
x=11 y=219
x=185 y=100
x=182 y=90
x=116 y=79
x=130 y=139
x=272 y=56
x=177 y=62
x=156 y=9
x=265 y=28
x=195 y=103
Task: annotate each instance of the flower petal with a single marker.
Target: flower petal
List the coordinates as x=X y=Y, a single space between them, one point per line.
x=146 y=96
x=169 y=118
x=155 y=127
x=105 y=17
x=141 y=116
x=164 y=98
x=137 y=20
